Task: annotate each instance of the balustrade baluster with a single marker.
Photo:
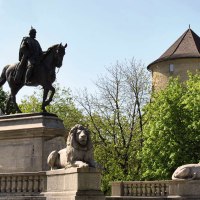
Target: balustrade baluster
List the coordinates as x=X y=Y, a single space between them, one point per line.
x=148 y=189
x=159 y=189
x=140 y=189
x=137 y=189
x=134 y=189
x=19 y=184
x=125 y=190
x=30 y=184
x=35 y=184
x=144 y=189
x=153 y=189
x=156 y=189
x=41 y=184
x=130 y=190
x=8 y=184
x=166 y=189
x=162 y=189
x=3 y=184
x=24 y=184
x=13 y=184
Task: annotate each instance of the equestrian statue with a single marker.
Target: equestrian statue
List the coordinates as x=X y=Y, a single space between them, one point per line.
x=34 y=68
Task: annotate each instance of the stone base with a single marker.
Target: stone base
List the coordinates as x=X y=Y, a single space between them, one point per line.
x=22 y=198
x=27 y=139
x=74 y=184
x=185 y=188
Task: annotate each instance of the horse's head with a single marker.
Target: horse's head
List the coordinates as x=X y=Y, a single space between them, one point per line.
x=59 y=54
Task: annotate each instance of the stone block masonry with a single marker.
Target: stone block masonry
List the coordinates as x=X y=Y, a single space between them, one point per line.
x=27 y=139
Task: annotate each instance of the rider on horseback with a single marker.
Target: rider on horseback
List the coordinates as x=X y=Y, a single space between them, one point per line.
x=29 y=55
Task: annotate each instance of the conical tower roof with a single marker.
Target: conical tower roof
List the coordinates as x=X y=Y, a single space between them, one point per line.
x=187 y=46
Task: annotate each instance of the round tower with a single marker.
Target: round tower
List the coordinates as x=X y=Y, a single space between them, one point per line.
x=178 y=59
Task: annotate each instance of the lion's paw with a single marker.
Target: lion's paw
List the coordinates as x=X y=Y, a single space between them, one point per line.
x=81 y=164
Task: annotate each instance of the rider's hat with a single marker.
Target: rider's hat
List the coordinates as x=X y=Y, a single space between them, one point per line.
x=32 y=30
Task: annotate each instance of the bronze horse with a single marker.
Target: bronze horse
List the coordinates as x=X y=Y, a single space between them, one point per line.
x=43 y=74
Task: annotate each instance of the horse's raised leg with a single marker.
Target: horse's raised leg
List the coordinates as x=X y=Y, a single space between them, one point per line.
x=8 y=105
x=52 y=89
x=13 y=99
x=45 y=93
x=15 y=104
x=46 y=101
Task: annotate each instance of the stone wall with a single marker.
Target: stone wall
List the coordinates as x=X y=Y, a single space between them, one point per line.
x=172 y=189
x=161 y=72
x=63 y=184
x=23 y=185
x=26 y=141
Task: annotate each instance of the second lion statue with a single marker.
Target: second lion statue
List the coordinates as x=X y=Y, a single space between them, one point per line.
x=78 y=153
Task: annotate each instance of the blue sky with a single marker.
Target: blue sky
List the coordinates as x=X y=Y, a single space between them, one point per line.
x=98 y=32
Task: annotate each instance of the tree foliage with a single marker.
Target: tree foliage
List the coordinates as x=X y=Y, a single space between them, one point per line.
x=172 y=131
x=114 y=117
x=3 y=99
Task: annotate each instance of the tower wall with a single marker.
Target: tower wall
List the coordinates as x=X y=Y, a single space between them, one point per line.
x=161 y=71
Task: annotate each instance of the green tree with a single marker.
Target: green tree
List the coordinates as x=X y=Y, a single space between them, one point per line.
x=62 y=105
x=3 y=99
x=172 y=131
x=115 y=119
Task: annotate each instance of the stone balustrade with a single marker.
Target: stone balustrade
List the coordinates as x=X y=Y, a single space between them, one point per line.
x=141 y=188
x=22 y=183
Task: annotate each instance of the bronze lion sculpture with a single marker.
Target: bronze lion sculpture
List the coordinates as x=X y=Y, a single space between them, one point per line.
x=78 y=153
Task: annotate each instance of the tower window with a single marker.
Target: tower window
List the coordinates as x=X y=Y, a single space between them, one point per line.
x=171 y=68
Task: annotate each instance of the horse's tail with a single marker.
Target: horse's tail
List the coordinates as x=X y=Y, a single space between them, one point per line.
x=3 y=76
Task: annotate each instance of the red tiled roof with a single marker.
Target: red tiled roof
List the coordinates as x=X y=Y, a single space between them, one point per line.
x=187 y=46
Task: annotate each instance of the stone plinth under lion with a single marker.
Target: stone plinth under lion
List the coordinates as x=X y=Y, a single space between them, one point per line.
x=74 y=184
x=27 y=139
x=186 y=182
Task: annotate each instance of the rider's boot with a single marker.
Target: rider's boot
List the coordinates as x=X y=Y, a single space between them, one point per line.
x=28 y=75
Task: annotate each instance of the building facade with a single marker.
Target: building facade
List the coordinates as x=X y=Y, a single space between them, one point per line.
x=177 y=60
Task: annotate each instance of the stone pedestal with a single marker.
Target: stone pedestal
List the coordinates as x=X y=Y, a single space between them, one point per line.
x=27 y=139
x=74 y=184
x=185 y=188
